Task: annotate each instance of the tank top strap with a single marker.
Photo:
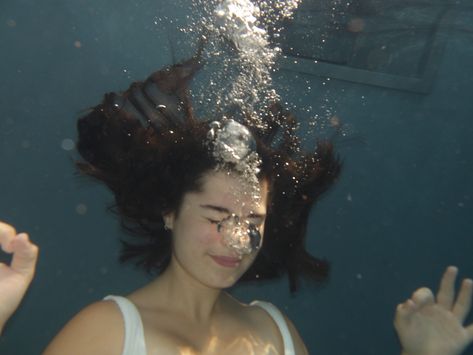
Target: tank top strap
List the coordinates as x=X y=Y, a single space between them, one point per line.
x=134 y=343
x=278 y=318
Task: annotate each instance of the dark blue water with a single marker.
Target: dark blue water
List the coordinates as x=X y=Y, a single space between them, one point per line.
x=401 y=213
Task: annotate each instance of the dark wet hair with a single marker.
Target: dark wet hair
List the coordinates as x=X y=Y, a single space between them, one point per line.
x=148 y=147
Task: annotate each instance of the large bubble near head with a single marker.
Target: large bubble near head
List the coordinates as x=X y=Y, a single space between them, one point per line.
x=233 y=142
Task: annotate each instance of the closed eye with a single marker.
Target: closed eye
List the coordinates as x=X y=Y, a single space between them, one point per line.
x=213 y=221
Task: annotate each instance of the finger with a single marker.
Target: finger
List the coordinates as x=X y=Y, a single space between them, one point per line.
x=463 y=304
x=7 y=233
x=422 y=297
x=406 y=309
x=446 y=293
x=25 y=255
x=404 y=313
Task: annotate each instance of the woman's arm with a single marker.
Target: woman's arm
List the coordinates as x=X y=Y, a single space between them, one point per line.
x=96 y=330
x=16 y=277
x=428 y=325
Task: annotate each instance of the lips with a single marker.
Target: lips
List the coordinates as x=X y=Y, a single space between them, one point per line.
x=226 y=261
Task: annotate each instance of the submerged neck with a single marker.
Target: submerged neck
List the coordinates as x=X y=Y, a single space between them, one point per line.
x=181 y=292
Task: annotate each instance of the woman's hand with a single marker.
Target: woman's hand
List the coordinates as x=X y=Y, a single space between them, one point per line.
x=429 y=326
x=15 y=278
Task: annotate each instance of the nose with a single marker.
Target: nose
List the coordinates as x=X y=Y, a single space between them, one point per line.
x=240 y=236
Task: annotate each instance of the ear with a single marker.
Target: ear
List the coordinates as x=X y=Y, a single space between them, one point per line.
x=168 y=220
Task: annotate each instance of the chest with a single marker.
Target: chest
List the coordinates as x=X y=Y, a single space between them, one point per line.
x=173 y=336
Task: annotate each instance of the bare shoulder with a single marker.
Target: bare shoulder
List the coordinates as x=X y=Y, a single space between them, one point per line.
x=96 y=329
x=268 y=323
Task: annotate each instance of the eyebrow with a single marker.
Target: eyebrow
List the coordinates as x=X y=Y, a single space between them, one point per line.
x=221 y=209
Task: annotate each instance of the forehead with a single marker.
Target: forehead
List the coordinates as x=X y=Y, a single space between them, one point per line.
x=230 y=191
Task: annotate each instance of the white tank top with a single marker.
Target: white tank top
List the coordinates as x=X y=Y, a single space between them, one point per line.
x=134 y=343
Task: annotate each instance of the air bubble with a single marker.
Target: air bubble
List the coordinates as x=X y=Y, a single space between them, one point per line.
x=67 y=144
x=81 y=209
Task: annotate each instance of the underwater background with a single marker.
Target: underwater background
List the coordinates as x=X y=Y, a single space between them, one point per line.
x=401 y=95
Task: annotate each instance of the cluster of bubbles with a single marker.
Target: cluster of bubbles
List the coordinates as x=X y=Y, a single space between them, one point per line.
x=239 y=235
x=241 y=58
x=231 y=143
x=238 y=48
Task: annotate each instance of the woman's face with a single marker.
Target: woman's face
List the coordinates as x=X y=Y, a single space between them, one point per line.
x=197 y=245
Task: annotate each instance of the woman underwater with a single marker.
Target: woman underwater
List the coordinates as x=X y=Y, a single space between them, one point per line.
x=209 y=203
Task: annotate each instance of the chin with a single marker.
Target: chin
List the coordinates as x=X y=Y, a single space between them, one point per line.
x=222 y=287
x=223 y=283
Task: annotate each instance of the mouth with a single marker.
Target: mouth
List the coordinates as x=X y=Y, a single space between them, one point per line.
x=226 y=261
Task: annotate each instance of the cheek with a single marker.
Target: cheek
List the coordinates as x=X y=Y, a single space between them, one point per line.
x=203 y=232
x=208 y=235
